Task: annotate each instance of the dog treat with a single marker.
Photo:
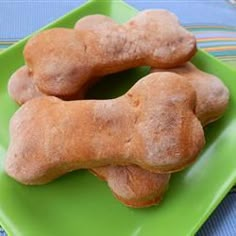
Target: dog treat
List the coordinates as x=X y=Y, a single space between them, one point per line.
x=144 y=190
x=64 y=62
x=148 y=188
x=153 y=126
x=134 y=186
x=100 y=25
x=212 y=94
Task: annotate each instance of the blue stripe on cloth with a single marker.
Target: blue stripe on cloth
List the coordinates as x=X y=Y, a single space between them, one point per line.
x=216 y=43
x=218 y=224
x=2 y=232
x=211 y=28
x=223 y=53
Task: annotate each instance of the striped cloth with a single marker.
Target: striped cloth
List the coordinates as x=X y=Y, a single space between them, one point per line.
x=220 y=41
x=2 y=232
x=212 y=21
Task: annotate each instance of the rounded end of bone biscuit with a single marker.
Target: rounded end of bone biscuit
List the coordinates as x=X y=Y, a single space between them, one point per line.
x=171 y=134
x=165 y=42
x=189 y=146
x=58 y=59
x=18 y=166
x=212 y=94
x=174 y=54
x=20 y=86
x=213 y=101
x=95 y=22
x=28 y=160
x=22 y=174
x=136 y=187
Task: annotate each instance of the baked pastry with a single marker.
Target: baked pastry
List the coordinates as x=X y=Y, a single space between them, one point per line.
x=153 y=126
x=64 y=62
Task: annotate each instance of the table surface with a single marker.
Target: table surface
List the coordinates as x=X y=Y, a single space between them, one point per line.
x=214 y=27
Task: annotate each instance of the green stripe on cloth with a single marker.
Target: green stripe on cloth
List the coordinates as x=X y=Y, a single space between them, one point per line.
x=210 y=28
x=5 y=44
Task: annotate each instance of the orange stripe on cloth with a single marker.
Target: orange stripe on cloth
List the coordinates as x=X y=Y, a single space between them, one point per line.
x=220 y=48
x=209 y=39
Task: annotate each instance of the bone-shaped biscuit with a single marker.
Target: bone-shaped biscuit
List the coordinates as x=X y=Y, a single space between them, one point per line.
x=148 y=189
x=64 y=62
x=132 y=185
x=102 y=26
x=153 y=126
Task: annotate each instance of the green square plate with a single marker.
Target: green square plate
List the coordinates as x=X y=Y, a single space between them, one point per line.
x=80 y=204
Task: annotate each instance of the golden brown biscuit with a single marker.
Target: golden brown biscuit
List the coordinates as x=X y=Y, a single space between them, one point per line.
x=117 y=52
x=64 y=62
x=148 y=188
x=153 y=126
